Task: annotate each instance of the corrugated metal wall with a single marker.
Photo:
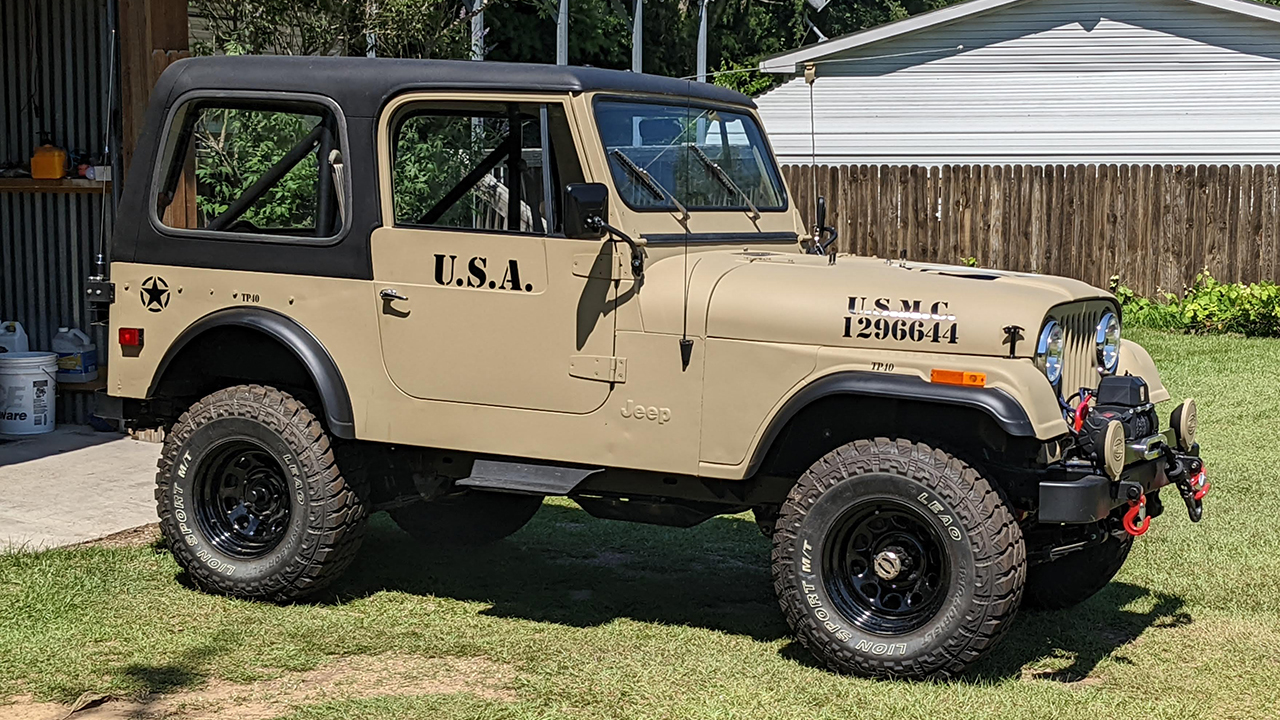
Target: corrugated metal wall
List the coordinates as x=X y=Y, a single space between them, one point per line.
x=53 y=72
x=1047 y=81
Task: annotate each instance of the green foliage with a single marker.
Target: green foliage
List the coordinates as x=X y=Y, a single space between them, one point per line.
x=741 y=32
x=433 y=153
x=1208 y=307
x=235 y=147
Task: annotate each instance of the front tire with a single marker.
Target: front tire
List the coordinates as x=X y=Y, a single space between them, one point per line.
x=467 y=519
x=250 y=499
x=893 y=559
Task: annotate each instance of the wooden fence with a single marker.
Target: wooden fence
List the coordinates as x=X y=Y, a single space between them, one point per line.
x=1154 y=226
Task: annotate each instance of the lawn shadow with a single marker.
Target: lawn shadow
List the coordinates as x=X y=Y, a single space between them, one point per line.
x=1085 y=635
x=571 y=569
x=187 y=669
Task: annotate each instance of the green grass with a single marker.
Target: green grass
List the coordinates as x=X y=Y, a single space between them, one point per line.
x=600 y=619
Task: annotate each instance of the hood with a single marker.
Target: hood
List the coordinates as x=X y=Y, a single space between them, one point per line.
x=869 y=302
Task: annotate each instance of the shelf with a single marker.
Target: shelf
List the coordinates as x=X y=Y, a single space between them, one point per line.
x=62 y=185
x=89 y=387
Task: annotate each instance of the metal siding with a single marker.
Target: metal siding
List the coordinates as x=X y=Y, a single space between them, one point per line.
x=1048 y=81
x=52 y=56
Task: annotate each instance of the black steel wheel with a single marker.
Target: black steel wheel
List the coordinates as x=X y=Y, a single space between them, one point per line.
x=251 y=500
x=885 y=566
x=244 y=503
x=893 y=559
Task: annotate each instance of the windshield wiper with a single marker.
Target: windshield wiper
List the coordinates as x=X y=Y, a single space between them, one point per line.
x=647 y=181
x=723 y=178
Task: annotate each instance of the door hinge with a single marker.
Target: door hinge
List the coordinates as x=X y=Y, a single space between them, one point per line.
x=598 y=367
x=100 y=291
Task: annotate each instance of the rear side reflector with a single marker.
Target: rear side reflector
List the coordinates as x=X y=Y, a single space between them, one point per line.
x=959 y=377
x=130 y=337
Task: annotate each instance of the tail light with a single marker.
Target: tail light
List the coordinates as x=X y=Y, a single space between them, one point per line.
x=130 y=337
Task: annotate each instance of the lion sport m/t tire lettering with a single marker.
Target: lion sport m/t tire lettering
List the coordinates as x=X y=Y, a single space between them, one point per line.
x=250 y=499
x=893 y=559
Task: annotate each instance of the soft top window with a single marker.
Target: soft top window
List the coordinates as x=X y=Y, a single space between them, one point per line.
x=249 y=167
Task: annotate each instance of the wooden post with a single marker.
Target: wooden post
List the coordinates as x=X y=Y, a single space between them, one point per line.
x=153 y=34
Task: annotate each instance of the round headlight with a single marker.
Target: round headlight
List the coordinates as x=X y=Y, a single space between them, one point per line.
x=1049 y=351
x=1108 y=338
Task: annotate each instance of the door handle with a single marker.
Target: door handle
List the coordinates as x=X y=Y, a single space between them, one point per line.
x=390 y=294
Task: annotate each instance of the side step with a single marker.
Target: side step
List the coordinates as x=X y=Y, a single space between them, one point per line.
x=525 y=478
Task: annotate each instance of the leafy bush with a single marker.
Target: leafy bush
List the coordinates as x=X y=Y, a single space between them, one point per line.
x=236 y=147
x=1208 y=307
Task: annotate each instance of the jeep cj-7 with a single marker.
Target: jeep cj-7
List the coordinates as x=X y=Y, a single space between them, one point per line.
x=450 y=289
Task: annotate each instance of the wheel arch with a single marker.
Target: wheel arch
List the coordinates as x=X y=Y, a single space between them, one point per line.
x=994 y=409
x=285 y=332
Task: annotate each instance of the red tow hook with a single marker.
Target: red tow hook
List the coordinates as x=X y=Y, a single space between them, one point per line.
x=1200 y=484
x=1136 y=522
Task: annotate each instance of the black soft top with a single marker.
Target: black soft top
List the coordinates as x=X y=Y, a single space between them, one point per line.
x=361 y=86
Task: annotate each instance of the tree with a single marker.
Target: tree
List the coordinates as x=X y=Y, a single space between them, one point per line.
x=403 y=28
x=742 y=31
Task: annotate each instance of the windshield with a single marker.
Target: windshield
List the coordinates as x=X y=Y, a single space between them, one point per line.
x=673 y=157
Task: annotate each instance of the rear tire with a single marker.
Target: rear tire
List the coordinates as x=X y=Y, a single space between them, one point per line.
x=470 y=518
x=250 y=500
x=892 y=559
x=1071 y=580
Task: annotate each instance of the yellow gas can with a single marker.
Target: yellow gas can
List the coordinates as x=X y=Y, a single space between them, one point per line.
x=48 y=162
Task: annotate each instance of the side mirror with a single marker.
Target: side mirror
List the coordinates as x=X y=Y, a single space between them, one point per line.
x=824 y=236
x=586 y=210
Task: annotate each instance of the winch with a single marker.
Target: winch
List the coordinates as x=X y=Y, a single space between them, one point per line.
x=1125 y=399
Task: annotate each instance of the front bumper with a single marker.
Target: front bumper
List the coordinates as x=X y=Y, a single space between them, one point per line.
x=1080 y=495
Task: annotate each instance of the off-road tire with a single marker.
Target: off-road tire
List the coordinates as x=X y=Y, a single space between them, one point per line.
x=978 y=536
x=467 y=519
x=1070 y=580
x=326 y=515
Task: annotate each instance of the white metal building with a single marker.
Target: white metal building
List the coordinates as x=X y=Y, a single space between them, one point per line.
x=1039 y=81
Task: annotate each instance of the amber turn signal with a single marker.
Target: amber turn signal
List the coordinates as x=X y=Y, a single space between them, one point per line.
x=959 y=377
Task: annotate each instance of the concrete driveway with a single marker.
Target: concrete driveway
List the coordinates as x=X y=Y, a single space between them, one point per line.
x=74 y=484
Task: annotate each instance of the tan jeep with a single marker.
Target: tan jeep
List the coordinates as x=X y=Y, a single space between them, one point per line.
x=449 y=289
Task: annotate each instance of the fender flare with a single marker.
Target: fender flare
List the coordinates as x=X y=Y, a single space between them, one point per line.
x=288 y=332
x=999 y=405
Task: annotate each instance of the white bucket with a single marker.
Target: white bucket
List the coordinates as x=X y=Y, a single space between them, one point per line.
x=28 y=385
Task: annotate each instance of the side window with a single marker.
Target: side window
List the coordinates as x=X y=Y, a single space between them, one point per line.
x=482 y=166
x=253 y=167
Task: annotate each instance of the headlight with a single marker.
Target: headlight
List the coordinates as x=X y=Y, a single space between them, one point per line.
x=1049 y=351
x=1108 y=337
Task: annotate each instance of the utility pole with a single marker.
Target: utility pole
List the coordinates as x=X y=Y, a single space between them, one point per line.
x=637 y=39
x=371 y=38
x=702 y=44
x=562 y=34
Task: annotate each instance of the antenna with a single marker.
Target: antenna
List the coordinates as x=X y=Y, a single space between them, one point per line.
x=810 y=77
x=99 y=257
x=686 y=345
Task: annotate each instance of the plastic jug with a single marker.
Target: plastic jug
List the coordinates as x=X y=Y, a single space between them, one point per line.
x=48 y=162
x=13 y=339
x=77 y=356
